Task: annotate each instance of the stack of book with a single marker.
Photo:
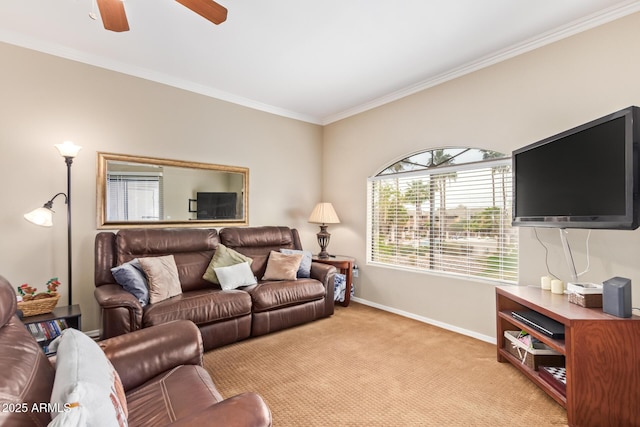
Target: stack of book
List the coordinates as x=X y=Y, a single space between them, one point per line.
x=46 y=331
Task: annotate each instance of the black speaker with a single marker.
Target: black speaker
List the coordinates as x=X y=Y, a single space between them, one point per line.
x=616 y=296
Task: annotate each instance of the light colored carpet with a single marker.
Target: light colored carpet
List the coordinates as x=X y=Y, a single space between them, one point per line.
x=367 y=367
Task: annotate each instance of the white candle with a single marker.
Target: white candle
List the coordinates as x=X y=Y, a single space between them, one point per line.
x=545 y=283
x=557 y=286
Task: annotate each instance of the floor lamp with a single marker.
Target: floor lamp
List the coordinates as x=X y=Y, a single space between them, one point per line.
x=44 y=216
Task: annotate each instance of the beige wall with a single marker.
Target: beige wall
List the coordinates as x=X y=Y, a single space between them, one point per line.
x=46 y=100
x=501 y=108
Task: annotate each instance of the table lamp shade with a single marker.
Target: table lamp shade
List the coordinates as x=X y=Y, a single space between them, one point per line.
x=324 y=213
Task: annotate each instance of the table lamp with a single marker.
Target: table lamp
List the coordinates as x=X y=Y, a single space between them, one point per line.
x=324 y=214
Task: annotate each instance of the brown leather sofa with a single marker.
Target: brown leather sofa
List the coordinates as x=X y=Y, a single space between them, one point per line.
x=223 y=317
x=160 y=368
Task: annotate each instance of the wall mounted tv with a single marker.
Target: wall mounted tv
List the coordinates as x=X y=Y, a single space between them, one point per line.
x=586 y=177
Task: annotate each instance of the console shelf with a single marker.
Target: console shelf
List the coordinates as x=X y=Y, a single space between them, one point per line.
x=602 y=356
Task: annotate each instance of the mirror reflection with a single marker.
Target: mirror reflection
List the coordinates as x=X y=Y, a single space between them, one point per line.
x=138 y=191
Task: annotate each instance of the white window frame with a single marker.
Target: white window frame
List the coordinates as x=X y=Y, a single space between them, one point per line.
x=487 y=256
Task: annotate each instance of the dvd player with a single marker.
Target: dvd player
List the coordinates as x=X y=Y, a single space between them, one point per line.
x=540 y=323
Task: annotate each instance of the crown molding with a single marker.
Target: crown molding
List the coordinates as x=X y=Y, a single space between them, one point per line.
x=552 y=36
x=147 y=74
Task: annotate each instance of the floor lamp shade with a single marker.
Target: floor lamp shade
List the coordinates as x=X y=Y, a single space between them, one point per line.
x=324 y=214
x=44 y=216
x=40 y=216
x=68 y=149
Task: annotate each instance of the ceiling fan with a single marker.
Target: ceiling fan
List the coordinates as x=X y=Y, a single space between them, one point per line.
x=114 y=17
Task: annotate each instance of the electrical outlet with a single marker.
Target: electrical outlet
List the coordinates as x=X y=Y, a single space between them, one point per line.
x=355 y=270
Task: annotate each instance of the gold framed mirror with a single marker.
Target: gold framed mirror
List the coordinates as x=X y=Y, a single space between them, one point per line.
x=135 y=191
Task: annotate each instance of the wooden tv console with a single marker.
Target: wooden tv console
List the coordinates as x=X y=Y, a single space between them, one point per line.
x=602 y=356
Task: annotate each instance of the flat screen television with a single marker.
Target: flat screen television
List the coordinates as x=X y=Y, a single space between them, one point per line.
x=216 y=205
x=586 y=177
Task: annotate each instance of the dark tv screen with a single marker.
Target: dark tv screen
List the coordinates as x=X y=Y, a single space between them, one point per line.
x=582 y=178
x=216 y=205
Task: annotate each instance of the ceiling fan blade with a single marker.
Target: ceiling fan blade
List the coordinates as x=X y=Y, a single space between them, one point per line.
x=113 y=16
x=208 y=9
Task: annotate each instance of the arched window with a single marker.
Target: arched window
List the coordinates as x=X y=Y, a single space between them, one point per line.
x=446 y=210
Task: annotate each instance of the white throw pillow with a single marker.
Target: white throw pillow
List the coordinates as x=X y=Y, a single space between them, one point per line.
x=86 y=388
x=236 y=275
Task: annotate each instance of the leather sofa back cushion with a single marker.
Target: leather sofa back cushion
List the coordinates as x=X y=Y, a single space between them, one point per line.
x=258 y=242
x=8 y=309
x=192 y=250
x=27 y=382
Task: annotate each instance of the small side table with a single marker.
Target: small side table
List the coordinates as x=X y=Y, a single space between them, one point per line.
x=345 y=265
x=70 y=313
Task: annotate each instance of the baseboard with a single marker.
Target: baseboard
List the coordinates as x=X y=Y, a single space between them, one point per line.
x=472 y=334
x=95 y=334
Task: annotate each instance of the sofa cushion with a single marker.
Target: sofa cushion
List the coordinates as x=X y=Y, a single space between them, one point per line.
x=282 y=266
x=224 y=257
x=173 y=395
x=86 y=384
x=162 y=275
x=275 y=294
x=203 y=306
x=131 y=277
x=235 y=276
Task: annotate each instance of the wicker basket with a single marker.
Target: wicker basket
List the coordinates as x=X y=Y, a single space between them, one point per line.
x=586 y=300
x=531 y=357
x=38 y=306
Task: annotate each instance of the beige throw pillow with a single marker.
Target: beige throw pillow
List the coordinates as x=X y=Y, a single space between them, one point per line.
x=223 y=257
x=282 y=266
x=162 y=275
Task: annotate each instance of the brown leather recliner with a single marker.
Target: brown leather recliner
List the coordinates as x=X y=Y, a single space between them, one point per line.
x=223 y=317
x=160 y=368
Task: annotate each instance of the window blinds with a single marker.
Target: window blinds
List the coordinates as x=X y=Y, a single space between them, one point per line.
x=134 y=196
x=454 y=219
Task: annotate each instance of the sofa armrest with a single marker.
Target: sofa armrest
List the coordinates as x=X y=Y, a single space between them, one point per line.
x=326 y=274
x=141 y=355
x=243 y=410
x=121 y=311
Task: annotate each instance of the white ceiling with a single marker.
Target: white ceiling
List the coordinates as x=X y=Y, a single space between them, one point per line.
x=316 y=61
